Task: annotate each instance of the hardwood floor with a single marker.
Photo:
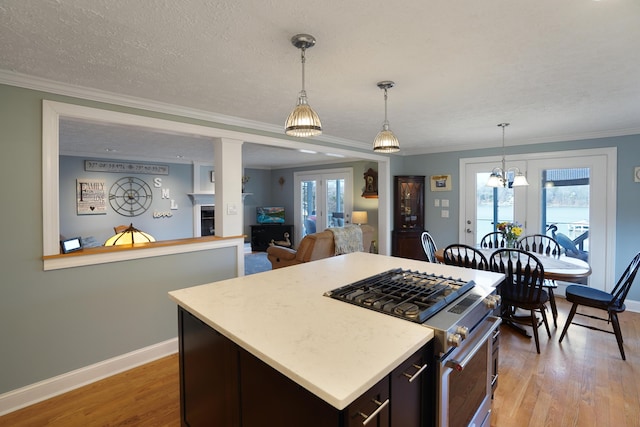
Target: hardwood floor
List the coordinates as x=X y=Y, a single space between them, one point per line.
x=147 y=396
x=581 y=382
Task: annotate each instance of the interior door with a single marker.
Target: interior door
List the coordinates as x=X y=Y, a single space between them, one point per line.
x=323 y=199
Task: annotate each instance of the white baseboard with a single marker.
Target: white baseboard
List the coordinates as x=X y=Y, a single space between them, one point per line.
x=34 y=393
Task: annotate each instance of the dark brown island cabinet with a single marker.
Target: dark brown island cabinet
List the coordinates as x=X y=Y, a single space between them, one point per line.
x=222 y=384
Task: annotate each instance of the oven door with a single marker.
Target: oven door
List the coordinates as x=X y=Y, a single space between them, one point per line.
x=464 y=395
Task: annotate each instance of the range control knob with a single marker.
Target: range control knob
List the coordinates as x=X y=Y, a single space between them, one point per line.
x=455 y=340
x=492 y=301
x=463 y=331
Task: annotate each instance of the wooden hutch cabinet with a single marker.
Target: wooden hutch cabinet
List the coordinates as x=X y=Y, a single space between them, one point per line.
x=408 y=217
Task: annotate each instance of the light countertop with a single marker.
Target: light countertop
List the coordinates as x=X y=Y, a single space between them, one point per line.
x=333 y=349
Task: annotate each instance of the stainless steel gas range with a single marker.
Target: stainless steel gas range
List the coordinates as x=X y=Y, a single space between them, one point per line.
x=465 y=334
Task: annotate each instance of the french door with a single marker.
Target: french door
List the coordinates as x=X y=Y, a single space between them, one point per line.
x=569 y=193
x=322 y=199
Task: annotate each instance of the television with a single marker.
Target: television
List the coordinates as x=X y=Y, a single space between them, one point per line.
x=270 y=215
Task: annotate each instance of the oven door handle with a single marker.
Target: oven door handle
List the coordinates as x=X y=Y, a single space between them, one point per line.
x=459 y=366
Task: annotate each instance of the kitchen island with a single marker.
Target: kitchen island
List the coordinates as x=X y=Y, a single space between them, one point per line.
x=251 y=338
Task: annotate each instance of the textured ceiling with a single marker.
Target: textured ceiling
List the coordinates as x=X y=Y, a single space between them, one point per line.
x=556 y=70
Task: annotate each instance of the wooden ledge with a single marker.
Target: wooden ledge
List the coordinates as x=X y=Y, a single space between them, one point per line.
x=164 y=243
x=106 y=254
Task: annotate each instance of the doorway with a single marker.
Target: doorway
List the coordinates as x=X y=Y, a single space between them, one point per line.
x=323 y=198
x=569 y=193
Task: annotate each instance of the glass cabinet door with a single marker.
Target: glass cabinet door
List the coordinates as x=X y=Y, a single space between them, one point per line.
x=409 y=202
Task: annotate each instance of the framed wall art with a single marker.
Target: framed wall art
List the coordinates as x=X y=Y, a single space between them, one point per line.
x=440 y=182
x=91 y=197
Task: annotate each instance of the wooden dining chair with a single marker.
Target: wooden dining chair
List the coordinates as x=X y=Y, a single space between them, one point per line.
x=522 y=288
x=612 y=303
x=429 y=246
x=465 y=256
x=493 y=240
x=541 y=244
x=120 y=228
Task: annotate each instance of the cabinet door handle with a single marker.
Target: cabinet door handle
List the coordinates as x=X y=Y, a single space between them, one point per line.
x=381 y=406
x=414 y=376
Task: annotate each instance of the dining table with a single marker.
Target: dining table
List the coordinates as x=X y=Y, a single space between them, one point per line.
x=562 y=268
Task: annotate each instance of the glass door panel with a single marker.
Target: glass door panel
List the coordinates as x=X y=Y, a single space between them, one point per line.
x=486 y=207
x=334 y=197
x=308 y=206
x=323 y=199
x=565 y=204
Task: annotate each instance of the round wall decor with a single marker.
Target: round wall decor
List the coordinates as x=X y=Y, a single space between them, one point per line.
x=130 y=196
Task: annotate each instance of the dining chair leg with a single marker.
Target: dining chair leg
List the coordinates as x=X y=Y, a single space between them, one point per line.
x=546 y=324
x=618 y=333
x=554 y=308
x=534 y=325
x=572 y=313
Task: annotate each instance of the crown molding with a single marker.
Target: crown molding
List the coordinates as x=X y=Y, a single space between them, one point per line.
x=529 y=141
x=45 y=85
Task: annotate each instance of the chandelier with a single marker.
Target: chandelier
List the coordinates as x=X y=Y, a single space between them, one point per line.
x=499 y=175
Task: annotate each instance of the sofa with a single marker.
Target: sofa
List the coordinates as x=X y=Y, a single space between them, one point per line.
x=313 y=247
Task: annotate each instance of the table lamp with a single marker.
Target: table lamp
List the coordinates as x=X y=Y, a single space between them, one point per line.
x=359 y=217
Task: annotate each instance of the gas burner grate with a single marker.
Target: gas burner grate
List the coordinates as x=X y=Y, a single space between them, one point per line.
x=407 y=294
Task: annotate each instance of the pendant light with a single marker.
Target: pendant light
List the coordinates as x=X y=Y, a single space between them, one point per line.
x=499 y=175
x=386 y=141
x=303 y=121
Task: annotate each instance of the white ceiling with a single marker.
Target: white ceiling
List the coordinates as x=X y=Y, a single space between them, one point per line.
x=556 y=70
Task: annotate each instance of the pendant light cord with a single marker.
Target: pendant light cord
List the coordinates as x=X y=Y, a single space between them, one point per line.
x=303 y=60
x=385 y=106
x=504 y=171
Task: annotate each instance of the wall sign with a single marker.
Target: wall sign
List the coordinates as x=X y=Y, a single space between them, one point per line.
x=125 y=167
x=91 y=197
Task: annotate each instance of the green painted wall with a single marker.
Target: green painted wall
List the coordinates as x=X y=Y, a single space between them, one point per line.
x=53 y=322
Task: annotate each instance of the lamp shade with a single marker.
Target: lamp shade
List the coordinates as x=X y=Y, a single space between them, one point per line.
x=303 y=121
x=520 y=180
x=386 y=141
x=129 y=236
x=359 y=217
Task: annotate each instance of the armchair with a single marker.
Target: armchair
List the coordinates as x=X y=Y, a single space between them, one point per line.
x=312 y=247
